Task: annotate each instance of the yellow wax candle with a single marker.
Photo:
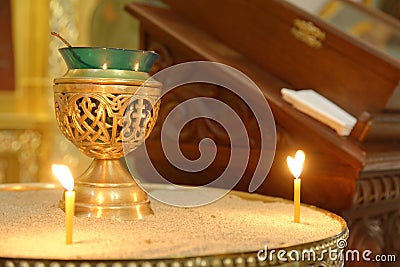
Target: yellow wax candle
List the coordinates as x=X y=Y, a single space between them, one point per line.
x=64 y=175
x=296 y=166
x=297 y=186
x=69 y=197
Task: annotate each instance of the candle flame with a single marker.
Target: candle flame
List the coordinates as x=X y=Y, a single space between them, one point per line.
x=64 y=175
x=296 y=164
x=136 y=66
x=105 y=66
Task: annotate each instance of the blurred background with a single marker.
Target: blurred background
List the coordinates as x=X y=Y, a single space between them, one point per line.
x=30 y=140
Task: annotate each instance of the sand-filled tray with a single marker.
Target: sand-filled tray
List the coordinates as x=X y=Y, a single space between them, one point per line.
x=228 y=232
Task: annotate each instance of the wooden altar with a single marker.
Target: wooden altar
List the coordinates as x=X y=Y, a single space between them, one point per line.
x=356 y=176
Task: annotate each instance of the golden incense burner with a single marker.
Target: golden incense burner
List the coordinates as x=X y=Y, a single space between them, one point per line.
x=105 y=107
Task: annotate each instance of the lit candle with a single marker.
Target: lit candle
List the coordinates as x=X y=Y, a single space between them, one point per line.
x=296 y=166
x=64 y=175
x=296 y=199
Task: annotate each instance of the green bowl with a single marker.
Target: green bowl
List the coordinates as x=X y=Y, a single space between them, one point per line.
x=108 y=58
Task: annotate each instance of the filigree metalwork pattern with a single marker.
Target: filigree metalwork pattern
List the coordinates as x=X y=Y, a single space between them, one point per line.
x=308 y=33
x=98 y=123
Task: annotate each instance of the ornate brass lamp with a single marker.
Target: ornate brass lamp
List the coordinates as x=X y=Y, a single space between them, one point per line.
x=101 y=102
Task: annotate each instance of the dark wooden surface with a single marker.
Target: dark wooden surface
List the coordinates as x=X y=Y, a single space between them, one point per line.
x=356 y=176
x=263 y=32
x=299 y=131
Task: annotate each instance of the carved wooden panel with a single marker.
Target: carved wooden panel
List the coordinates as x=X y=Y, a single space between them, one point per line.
x=377 y=189
x=374 y=218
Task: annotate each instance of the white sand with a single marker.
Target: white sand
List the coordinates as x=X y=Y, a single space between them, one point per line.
x=32 y=226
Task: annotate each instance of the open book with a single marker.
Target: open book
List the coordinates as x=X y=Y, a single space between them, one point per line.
x=321 y=109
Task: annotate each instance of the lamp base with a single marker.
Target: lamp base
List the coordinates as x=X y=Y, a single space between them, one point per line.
x=107 y=190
